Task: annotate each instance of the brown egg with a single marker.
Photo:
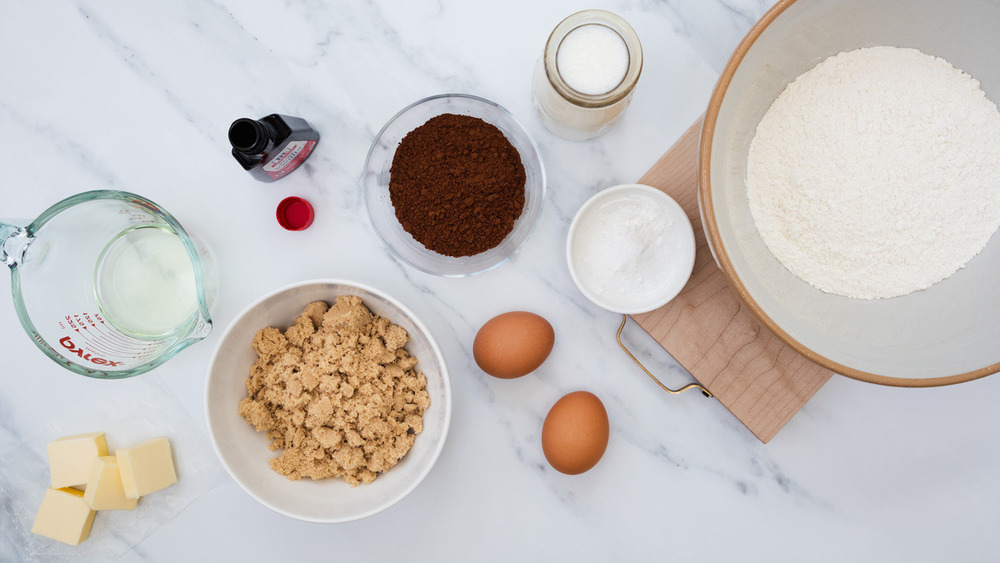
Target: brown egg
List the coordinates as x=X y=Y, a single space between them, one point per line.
x=575 y=433
x=513 y=344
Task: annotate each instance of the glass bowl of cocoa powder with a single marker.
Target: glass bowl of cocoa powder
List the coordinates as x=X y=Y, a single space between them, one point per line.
x=454 y=184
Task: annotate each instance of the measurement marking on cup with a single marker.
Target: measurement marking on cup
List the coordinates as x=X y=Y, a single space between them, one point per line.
x=115 y=346
x=91 y=341
x=124 y=344
x=75 y=322
x=68 y=343
x=94 y=339
x=137 y=348
x=112 y=340
x=97 y=342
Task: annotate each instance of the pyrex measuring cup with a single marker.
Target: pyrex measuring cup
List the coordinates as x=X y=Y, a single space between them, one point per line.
x=109 y=285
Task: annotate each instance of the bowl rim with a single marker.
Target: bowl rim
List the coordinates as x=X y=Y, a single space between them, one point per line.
x=711 y=228
x=444 y=376
x=612 y=192
x=543 y=181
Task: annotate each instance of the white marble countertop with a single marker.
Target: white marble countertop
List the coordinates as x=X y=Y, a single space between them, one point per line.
x=138 y=97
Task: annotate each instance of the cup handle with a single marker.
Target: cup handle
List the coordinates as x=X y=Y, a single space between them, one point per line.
x=12 y=241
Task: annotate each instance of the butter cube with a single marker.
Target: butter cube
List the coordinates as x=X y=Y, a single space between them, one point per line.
x=64 y=516
x=104 y=487
x=70 y=458
x=146 y=467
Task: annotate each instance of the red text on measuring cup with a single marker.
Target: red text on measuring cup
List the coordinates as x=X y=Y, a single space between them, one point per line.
x=68 y=344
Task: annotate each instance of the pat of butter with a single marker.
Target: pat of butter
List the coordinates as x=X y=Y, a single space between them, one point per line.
x=104 y=487
x=70 y=458
x=64 y=516
x=146 y=467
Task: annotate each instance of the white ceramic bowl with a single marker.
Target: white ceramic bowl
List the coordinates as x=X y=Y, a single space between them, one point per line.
x=947 y=333
x=244 y=451
x=379 y=203
x=678 y=252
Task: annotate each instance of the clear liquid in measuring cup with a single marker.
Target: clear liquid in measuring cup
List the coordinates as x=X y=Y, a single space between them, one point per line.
x=145 y=282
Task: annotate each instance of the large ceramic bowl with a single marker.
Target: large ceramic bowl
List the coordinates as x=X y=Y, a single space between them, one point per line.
x=244 y=452
x=382 y=213
x=948 y=333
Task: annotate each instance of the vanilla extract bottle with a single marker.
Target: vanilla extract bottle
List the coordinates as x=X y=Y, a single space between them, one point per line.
x=273 y=146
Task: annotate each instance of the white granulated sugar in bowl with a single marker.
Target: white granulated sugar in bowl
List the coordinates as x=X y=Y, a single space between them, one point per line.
x=877 y=173
x=626 y=249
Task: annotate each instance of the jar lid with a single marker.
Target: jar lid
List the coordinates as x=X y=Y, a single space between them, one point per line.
x=295 y=213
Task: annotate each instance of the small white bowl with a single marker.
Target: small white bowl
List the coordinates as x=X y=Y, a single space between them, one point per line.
x=244 y=452
x=678 y=251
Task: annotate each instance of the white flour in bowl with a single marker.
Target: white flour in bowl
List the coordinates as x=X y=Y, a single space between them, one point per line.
x=877 y=173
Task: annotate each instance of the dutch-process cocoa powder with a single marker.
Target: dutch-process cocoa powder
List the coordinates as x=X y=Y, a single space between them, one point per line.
x=457 y=185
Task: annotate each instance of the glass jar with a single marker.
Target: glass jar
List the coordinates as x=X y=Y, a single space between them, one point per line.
x=572 y=114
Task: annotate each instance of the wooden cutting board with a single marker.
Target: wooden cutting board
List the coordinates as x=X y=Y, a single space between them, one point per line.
x=709 y=331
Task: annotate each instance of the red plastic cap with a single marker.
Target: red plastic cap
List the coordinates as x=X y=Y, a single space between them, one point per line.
x=295 y=213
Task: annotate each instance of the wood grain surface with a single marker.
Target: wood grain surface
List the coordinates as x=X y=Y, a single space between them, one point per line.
x=710 y=332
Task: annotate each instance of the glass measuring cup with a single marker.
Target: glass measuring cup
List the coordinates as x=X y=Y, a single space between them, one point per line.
x=108 y=284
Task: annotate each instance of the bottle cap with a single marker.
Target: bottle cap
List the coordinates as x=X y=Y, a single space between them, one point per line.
x=295 y=213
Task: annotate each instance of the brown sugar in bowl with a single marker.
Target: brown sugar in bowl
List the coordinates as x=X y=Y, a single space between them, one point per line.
x=244 y=452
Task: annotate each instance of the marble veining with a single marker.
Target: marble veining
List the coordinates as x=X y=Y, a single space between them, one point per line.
x=138 y=96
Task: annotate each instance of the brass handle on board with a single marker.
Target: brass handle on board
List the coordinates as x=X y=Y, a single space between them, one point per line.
x=687 y=387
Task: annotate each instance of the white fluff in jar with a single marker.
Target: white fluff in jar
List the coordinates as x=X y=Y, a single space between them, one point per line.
x=586 y=75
